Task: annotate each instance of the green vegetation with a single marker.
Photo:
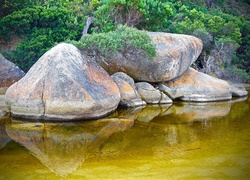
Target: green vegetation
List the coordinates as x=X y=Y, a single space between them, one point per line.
x=122 y=40
x=219 y=23
x=40 y=26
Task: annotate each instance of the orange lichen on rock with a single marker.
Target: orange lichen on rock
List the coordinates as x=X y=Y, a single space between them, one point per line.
x=62 y=85
x=197 y=86
x=99 y=77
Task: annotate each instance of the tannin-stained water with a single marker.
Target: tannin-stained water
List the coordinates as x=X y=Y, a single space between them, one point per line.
x=179 y=141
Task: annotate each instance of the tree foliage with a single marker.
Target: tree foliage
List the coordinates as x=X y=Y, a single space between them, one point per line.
x=41 y=26
x=143 y=14
x=42 y=23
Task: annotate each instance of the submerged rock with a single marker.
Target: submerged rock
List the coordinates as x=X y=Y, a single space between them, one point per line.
x=9 y=72
x=197 y=86
x=174 y=54
x=63 y=85
x=129 y=95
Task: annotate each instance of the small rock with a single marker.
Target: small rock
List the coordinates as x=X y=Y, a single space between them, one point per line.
x=165 y=99
x=129 y=95
x=172 y=93
x=148 y=93
x=238 y=90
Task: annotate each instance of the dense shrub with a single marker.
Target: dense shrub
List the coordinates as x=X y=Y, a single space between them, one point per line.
x=42 y=27
x=120 y=40
x=143 y=14
x=213 y=27
x=44 y=23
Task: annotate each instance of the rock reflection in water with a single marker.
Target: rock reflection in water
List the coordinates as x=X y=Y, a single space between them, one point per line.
x=63 y=147
x=151 y=111
x=142 y=113
x=166 y=135
x=184 y=112
x=180 y=112
x=4 y=138
x=126 y=113
x=156 y=141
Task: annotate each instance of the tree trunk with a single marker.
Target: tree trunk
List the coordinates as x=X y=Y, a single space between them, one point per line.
x=86 y=27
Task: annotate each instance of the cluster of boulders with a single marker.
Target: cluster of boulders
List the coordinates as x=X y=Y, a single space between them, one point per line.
x=67 y=84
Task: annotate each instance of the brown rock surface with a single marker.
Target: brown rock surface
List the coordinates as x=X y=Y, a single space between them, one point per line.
x=174 y=54
x=197 y=86
x=63 y=85
x=9 y=72
x=129 y=95
x=151 y=95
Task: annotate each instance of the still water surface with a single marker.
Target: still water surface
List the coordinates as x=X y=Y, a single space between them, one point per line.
x=182 y=141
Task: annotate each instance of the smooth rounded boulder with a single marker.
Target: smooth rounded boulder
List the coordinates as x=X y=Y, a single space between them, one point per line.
x=9 y=73
x=129 y=95
x=63 y=85
x=174 y=54
x=200 y=87
x=238 y=90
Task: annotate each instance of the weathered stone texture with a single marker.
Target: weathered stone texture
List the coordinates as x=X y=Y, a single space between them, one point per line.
x=151 y=95
x=129 y=95
x=197 y=86
x=63 y=85
x=9 y=72
x=174 y=54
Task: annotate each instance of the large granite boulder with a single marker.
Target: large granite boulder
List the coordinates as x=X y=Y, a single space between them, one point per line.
x=174 y=54
x=63 y=85
x=9 y=72
x=129 y=95
x=197 y=86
